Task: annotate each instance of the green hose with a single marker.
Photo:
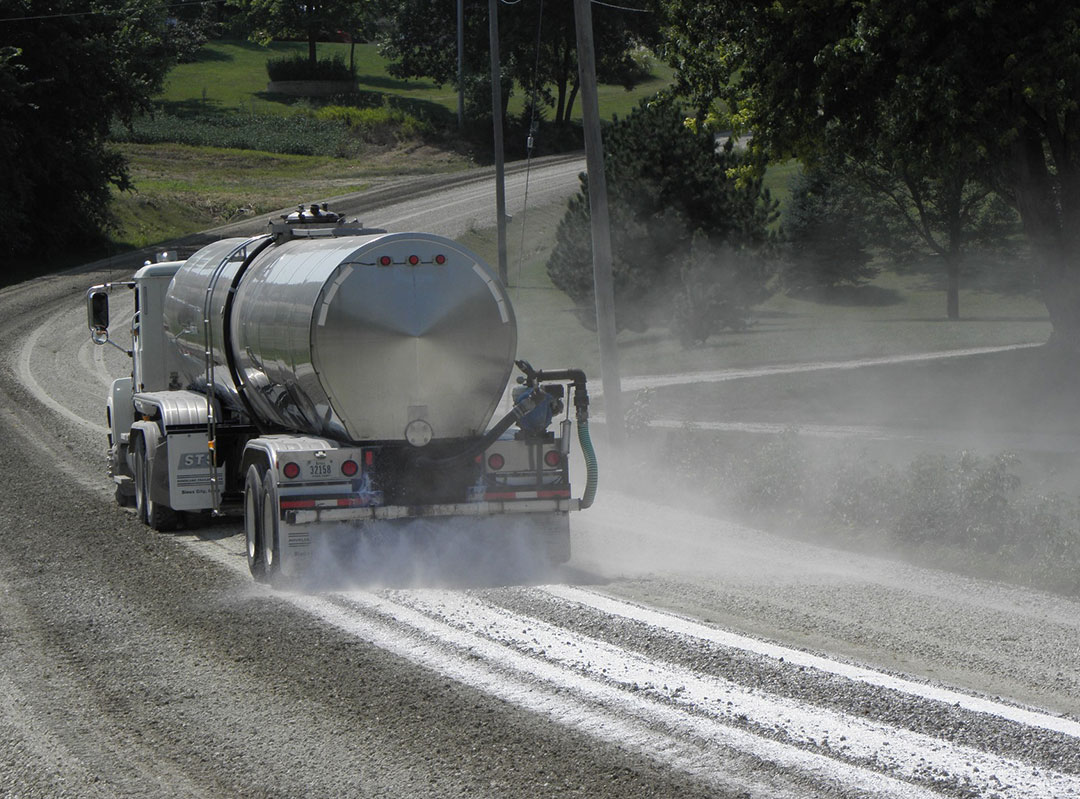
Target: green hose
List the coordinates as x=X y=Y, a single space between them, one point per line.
x=590 y=461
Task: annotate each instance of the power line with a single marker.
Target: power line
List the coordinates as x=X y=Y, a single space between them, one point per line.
x=91 y=12
x=623 y=8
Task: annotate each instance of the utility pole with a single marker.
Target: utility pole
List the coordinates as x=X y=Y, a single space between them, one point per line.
x=460 y=64
x=497 y=118
x=603 y=285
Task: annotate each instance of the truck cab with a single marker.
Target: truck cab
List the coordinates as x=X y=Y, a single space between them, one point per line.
x=149 y=361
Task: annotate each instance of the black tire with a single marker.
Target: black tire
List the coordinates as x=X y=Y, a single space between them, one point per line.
x=253 y=522
x=139 y=458
x=124 y=497
x=160 y=517
x=271 y=549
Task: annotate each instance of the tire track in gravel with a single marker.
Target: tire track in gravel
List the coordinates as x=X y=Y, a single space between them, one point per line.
x=710 y=727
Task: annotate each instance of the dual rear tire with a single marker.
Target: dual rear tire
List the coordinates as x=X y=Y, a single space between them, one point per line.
x=262 y=524
x=158 y=516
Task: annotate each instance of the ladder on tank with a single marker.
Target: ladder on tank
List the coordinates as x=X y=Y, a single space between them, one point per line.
x=241 y=254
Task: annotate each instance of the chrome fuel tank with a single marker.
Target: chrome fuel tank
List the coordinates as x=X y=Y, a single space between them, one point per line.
x=359 y=337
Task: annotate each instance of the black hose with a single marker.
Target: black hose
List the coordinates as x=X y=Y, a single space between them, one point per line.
x=523 y=406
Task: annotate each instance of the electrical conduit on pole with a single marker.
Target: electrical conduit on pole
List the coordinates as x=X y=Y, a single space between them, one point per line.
x=497 y=117
x=603 y=287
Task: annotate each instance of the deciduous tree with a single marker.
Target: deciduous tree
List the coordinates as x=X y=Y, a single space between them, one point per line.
x=688 y=234
x=982 y=84
x=537 y=44
x=311 y=20
x=68 y=68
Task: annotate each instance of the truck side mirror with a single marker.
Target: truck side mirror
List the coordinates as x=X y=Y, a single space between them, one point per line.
x=97 y=313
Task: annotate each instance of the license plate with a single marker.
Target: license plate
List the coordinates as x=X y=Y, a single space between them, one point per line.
x=319 y=469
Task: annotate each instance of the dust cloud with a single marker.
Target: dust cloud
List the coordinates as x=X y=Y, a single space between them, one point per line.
x=463 y=552
x=966 y=462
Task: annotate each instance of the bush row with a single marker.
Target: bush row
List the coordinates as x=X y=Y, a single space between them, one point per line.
x=297 y=66
x=295 y=135
x=339 y=131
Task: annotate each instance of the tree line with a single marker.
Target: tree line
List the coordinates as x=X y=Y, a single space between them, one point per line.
x=956 y=116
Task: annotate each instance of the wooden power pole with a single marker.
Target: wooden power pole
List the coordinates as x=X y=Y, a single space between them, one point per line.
x=460 y=64
x=603 y=285
x=497 y=117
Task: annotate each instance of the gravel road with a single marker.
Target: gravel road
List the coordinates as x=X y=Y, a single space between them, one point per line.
x=676 y=655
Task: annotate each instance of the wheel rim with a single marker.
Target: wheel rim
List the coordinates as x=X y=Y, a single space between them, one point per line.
x=269 y=506
x=250 y=525
x=140 y=486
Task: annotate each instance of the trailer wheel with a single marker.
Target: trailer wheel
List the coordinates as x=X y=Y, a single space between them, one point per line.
x=271 y=550
x=253 y=522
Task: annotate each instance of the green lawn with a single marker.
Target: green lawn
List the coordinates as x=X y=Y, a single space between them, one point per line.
x=232 y=75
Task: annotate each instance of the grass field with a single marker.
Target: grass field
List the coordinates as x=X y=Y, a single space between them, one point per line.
x=232 y=75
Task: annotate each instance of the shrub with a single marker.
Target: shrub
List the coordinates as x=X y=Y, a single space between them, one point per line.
x=718 y=287
x=825 y=232
x=297 y=66
x=382 y=125
x=666 y=184
x=973 y=507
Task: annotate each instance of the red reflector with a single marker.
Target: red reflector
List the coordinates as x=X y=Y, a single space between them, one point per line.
x=414 y=260
x=552 y=457
x=349 y=468
x=291 y=470
x=297 y=504
x=496 y=461
x=560 y=494
x=385 y=260
x=440 y=259
x=369 y=457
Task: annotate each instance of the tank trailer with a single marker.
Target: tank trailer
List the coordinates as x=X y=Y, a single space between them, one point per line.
x=323 y=376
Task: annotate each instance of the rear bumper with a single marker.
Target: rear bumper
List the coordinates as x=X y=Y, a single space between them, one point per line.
x=466 y=509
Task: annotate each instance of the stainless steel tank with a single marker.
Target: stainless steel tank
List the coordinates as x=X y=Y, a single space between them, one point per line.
x=372 y=337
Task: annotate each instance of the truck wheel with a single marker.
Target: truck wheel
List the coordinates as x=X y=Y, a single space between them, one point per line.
x=160 y=517
x=124 y=497
x=253 y=522
x=271 y=549
x=140 y=482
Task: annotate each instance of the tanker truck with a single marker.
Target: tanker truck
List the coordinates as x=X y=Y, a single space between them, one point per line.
x=323 y=376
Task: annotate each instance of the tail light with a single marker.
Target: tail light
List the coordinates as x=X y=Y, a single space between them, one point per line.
x=291 y=470
x=496 y=461
x=553 y=458
x=350 y=468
